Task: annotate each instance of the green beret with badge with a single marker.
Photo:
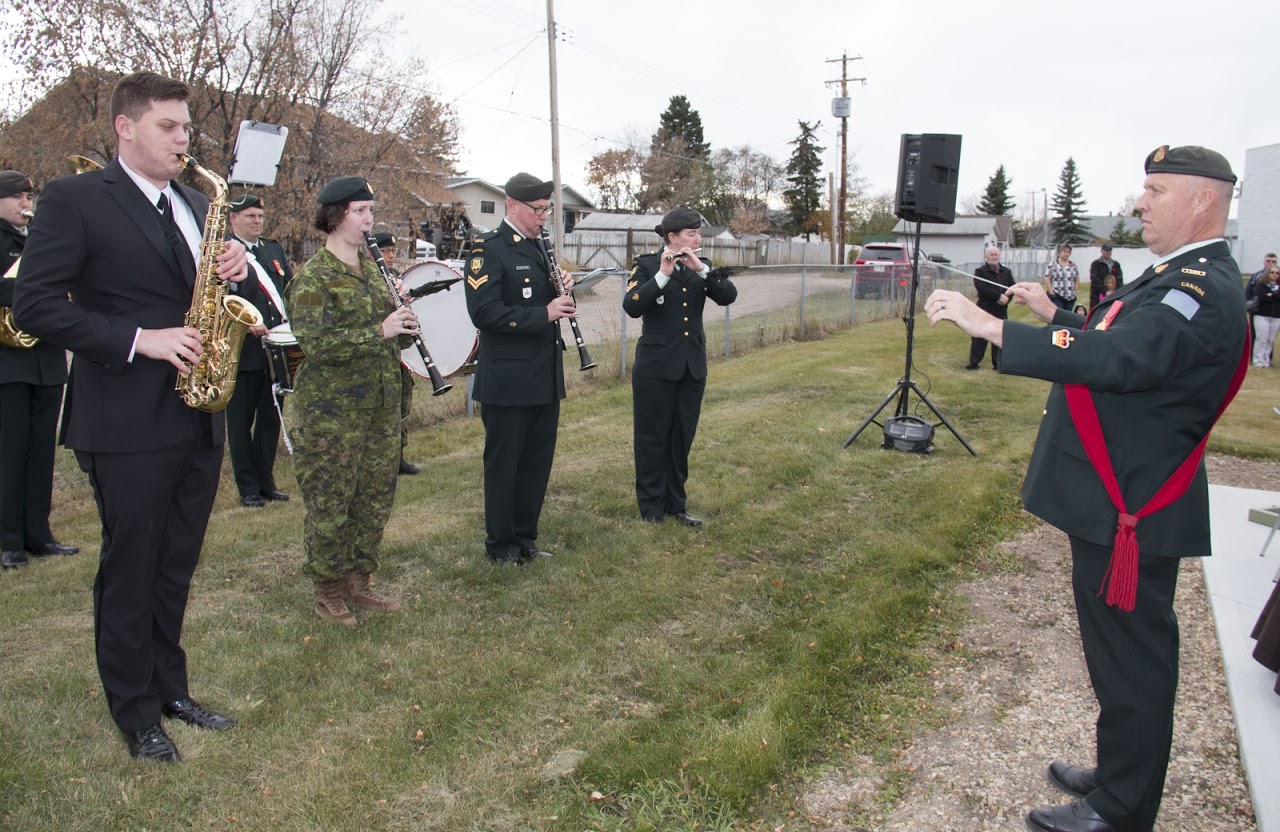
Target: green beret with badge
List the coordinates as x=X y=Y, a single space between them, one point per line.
x=244 y=202
x=678 y=219
x=385 y=239
x=14 y=182
x=1190 y=160
x=526 y=187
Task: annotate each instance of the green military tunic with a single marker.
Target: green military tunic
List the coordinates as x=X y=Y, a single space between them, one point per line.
x=345 y=413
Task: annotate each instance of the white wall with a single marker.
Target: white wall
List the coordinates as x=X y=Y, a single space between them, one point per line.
x=1259 y=210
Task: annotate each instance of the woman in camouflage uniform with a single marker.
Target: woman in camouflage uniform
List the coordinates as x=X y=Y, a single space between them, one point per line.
x=346 y=405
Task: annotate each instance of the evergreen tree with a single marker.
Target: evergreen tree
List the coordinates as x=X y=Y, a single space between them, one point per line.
x=804 y=169
x=1068 y=206
x=996 y=202
x=678 y=170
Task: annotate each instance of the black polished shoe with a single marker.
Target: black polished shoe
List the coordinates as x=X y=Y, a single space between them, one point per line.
x=971 y=367
x=649 y=518
x=274 y=496
x=152 y=743
x=683 y=517
x=510 y=559
x=53 y=547
x=193 y=713
x=12 y=560
x=1073 y=780
x=407 y=467
x=533 y=554
x=1076 y=816
x=253 y=501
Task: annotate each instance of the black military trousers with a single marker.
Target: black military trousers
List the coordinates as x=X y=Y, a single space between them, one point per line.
x=519 y=446
x=253 y=433
x=1133 y=665
x=666 y=418
x=28 y=436
x=978 y=348
x=154 y=507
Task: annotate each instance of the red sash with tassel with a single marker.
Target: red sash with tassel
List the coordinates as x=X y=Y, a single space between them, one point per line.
x=1121 y=578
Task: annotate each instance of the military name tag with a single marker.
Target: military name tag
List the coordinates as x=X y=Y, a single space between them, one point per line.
x=527 y=291
x=523 y=268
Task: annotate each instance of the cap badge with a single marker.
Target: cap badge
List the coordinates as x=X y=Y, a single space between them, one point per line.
x=1160 y=153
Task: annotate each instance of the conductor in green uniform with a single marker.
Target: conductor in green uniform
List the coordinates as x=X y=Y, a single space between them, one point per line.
x=346 y=404
x=1118 y=466
x=668 y=290
x=519 y=378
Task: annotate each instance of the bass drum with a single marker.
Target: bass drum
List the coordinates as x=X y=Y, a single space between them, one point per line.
x=447 y=330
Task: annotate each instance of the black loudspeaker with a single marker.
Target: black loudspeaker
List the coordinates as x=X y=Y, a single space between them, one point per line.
x=928 y=177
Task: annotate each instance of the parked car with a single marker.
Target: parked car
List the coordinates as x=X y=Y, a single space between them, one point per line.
x=883 y=270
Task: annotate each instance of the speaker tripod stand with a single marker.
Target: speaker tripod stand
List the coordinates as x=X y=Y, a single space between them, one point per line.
x=905 y=387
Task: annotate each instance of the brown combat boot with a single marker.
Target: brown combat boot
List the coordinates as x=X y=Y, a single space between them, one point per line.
x=330 y=604
x=362 y=595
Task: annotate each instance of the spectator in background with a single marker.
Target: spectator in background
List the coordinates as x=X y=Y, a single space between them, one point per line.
x=1108 y=286
x=1098 y=272
x=1062 y=279
x=1268 y=262
x=991 y=299
x=1266 y=315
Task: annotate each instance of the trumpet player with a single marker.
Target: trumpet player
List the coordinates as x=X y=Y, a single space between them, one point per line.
x=669 y=289
x=31 y=380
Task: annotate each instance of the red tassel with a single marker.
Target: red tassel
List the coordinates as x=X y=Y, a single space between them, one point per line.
x=1121 y=580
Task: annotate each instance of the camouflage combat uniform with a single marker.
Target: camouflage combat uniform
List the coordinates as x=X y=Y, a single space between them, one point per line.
x=345 y=414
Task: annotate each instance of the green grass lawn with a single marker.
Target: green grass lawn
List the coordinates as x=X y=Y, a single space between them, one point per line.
x=687 y=678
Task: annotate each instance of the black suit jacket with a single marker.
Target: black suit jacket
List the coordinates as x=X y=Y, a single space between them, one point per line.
x=102 y=242
x=43 y=364
x=520 y=361
x=270 y=255
x=1157 y=377
x=672 y=338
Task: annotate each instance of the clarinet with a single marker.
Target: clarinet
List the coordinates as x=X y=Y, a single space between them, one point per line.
x=438 y=385
x=548 y=250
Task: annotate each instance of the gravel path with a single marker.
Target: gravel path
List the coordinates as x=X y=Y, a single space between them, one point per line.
x=1017 y=694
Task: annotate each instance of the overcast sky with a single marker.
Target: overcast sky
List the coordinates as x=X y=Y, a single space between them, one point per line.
x=1026 y=83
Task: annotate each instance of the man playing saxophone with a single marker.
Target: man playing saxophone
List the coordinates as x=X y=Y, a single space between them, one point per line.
x=123 y=243
x=31 y=380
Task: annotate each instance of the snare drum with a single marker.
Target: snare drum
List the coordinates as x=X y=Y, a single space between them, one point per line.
x=446 y=327
x=284 y=356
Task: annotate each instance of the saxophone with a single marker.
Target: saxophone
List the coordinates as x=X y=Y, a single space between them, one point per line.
x=223 y=320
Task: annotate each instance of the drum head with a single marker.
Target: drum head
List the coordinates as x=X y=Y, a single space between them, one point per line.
x=446 y=327
x=280 y=334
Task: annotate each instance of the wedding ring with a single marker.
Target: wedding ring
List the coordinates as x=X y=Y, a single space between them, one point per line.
x=944 y=304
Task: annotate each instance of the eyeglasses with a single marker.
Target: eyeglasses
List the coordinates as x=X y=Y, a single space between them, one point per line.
x=542 y=212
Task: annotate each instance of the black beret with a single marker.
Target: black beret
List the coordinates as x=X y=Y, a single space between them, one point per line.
x=14 y=182
x=678 y=219
x=384 y=239
x=243 y=202
x=525 y=187
x=345 y=189
x=1189 y=160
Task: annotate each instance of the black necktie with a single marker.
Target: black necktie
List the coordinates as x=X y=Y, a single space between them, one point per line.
x=177 y=241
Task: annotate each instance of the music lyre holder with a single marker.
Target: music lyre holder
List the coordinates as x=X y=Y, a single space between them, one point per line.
x=905 y=385
x=433 y=286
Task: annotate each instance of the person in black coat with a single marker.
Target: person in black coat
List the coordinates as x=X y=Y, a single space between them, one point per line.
x=253 y=422
x=519 y=379
x=992 y=300
x=669 y=289
x=1137 y=387
x=124 y=242
x=31 y=381
x=1098 y=271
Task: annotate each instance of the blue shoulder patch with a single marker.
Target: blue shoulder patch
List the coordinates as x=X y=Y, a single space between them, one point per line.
x=1184 y=304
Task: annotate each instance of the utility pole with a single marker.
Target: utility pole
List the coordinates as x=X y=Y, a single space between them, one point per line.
x=831 y=200
x=558 y=219
x=840 y=109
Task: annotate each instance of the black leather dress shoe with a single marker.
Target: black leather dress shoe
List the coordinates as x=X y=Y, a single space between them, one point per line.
x=407 y=467
x=1073 y=780
x=152 y=743
x=12 y=560
x=53 y=547
x=648 y=518
x=971 y=366
x=193 y=713
x=1076 y=816
x=533 y=554
x=510 y=559
x=683 y=517
x=274 y=496
x=253 y=501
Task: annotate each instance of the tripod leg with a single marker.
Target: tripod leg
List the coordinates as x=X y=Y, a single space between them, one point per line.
x=941 y=418
x=897 y=388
